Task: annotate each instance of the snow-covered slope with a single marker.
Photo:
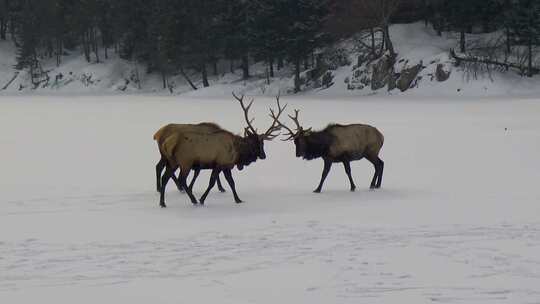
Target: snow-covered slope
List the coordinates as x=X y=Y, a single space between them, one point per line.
x=414 y=42
x=457 y=219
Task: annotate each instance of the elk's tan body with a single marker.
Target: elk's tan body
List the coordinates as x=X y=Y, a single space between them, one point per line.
x=187 y=149
x=164 y=132
x=355 y=140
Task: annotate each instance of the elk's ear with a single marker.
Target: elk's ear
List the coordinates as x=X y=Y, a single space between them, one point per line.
x=246 y=132
x=308 y=131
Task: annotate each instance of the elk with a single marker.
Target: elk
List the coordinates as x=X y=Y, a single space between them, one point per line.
x=166 y=131
x=220 y=151
x=338 y=144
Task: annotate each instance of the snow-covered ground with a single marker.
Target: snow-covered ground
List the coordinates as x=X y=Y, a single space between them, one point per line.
x=457 y=219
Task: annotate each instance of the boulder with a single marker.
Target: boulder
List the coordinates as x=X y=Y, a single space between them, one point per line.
x=408 y=75
x=441 y=74
x=382 y=71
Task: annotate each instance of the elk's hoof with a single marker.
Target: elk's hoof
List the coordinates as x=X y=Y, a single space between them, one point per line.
x=317 y=191
x=239 y=201
x=353 y=189
x=162 y=205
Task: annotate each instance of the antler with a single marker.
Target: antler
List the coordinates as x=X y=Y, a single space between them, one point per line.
x=299 y=128
x=246 y=110
x=290 y=133
x=276 y=125
x=295 y=120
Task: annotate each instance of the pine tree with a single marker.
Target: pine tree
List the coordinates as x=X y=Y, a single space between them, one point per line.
x=304 y=20
x=4 y=13
x=267 y=38
x=461 y=16
x=237 y=25
x=27 y=38
x=525 y=27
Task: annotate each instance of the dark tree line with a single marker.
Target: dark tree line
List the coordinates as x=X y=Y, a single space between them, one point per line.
x=173 y=36
x=515 y=24
x=517 y=20
x=169 y=36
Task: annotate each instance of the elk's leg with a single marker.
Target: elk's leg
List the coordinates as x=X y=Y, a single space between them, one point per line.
x=164 y=179
x=183 y=177
x=220 y=186
x=195 y=175
x=381 y=169
x=377 y=177
x=177 y=182
x=211 y=184
x=347 y=166
x=326 y=169
x=230 y=180
x=159 y=168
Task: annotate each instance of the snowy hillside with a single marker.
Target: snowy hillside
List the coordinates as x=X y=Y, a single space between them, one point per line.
x=414 y=43
x=456 y=221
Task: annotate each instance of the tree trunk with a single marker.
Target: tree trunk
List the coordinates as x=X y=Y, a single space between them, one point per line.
x=437 y=25
x=271 y=64
x=215 y=67
x=50 y=48
x=134 y=59
x=372 y=32
x=388 y=42
x=12 y=30
x=245 y=67
x=530 y=48
x=105 y=45
x=204 y=75
x=187 y=78
x=231 y=66
x=508 y=45
x=95 y=44
x=462 y=40
x=297 y=75
x=164 y=79
x=59 y=50
x=505 y=65
x=3 y=28
x=86 y=47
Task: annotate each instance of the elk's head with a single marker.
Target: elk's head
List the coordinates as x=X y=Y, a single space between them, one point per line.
x=300 y=136
x=255 y=141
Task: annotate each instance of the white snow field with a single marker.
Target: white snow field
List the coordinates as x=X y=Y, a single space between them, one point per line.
x=456 y=221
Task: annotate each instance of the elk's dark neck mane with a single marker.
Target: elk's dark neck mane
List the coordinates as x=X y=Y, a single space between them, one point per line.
x=318 y=143
x=334 y=125
x=211 y=125
x=246 y=153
